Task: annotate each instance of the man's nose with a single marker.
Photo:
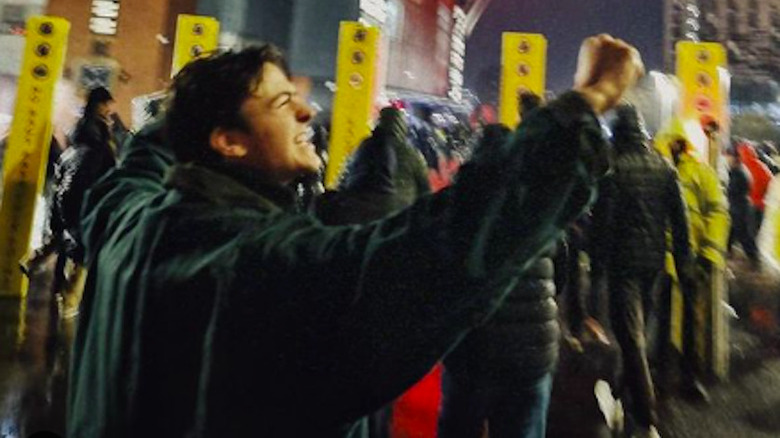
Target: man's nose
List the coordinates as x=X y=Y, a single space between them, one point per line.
x=305 y=112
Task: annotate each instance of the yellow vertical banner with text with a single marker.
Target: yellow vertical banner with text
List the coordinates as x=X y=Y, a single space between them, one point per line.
x=700 y=72
x=356 y=73
x=196 y=35
x=523 y=68
x=27 y=150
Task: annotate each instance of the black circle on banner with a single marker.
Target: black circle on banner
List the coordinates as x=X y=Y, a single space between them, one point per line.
x=523 y=69
x=43 y=49
x=40 y=71
x=46 y=28
x=360 y=36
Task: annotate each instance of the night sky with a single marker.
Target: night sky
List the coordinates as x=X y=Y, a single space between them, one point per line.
x=565 y=23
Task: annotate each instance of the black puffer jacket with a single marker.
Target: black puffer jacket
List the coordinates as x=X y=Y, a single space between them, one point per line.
x=77 y=169
x=520 y=341
x=637 y=203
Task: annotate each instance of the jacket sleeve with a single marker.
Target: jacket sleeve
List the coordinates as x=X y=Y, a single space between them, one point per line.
x=132 y=184
x=715 y=216
x=368 y=310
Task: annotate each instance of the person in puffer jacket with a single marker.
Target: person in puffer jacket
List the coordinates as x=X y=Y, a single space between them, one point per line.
x=502 y=371
x=636 y=204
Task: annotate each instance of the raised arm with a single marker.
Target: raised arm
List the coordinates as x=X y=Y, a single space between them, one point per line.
x=385 y=301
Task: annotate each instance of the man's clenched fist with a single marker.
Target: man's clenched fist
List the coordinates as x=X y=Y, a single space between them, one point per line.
x=606 y=68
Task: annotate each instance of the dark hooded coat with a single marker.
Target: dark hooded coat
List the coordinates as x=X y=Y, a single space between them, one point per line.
x=637 y=202
x=210 y=310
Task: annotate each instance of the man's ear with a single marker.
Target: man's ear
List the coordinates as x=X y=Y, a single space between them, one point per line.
x=230 y=143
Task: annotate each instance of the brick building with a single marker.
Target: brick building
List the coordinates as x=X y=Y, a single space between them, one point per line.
x=750 y=30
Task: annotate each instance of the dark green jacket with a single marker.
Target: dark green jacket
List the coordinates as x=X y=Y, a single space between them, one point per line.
x=209 y=310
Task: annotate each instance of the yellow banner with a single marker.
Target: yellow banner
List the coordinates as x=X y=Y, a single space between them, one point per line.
x=699 y=70
x=24 y=165
x=523 y=67
x=356 y=72
x=195 y=36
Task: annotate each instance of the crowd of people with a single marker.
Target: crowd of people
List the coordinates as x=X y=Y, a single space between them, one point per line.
x=228 y=294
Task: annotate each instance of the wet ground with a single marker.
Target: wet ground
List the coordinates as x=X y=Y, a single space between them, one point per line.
x=745 y=406
x=34 y=357
x=33 y=363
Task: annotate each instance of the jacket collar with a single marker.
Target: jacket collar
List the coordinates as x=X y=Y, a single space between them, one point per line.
x=229 y=185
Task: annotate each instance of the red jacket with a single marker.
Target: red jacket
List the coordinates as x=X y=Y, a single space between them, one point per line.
x=758 y=171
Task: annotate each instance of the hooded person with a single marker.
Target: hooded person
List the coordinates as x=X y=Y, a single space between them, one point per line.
x=709 y=225
x=636 y=202
x=385 y=174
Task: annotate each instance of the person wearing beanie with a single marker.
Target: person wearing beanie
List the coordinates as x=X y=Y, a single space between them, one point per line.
x=635 y=205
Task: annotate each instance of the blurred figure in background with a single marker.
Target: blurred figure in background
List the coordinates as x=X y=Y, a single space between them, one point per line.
x=767 y=151
x=760 y=177
x=740 y=208
x=90 y=155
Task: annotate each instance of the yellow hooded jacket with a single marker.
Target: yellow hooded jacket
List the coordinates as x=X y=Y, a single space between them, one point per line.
x=709 y=221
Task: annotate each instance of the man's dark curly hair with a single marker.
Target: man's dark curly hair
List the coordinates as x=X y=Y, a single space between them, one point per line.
x=208 y=93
